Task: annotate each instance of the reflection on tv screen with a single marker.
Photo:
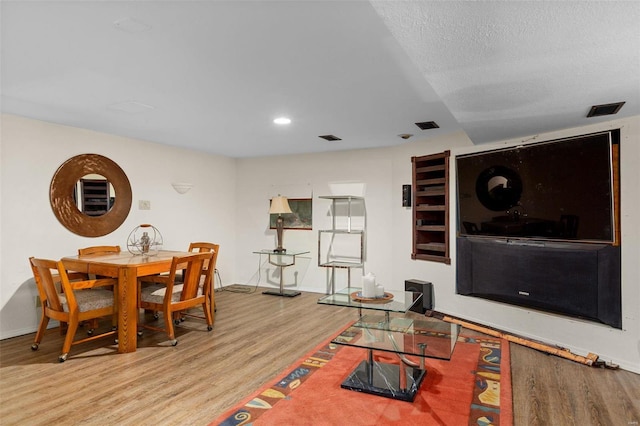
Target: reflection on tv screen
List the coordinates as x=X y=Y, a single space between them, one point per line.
x=560 y=189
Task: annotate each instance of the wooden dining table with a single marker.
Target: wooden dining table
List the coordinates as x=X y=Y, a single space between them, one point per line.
x=127 y=268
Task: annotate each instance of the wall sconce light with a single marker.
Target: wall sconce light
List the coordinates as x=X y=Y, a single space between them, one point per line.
x=279 y=206
x=182 y=187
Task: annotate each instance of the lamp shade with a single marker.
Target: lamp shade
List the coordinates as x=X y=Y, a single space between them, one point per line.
x=279 y=205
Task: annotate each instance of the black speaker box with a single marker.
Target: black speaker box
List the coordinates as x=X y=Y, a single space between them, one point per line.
x=575 y=279
x=424 y=287
x=406 y=195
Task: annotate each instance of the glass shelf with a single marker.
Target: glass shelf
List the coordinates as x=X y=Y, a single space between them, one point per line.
x=402 y=300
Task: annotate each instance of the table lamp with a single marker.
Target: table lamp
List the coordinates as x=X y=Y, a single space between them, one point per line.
x=279 y=206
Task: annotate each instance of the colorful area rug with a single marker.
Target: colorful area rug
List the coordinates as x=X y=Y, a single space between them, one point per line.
x=473 y=388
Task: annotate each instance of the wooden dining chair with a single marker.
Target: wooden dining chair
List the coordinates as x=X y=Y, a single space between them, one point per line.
x=98 y=250
x=168 y=294
x=203 y=247
x=77 y=302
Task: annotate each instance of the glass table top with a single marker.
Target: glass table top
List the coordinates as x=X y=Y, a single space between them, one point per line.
x=425 y=337
x=286 y=253
x=402 y=300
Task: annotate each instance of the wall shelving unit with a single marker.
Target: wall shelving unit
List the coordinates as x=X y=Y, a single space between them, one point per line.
x=431 y=207
x=343 y=246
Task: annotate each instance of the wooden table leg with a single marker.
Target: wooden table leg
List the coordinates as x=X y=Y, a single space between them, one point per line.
x=127 y=309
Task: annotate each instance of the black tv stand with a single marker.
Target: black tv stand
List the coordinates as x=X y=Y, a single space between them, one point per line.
x=576 y=279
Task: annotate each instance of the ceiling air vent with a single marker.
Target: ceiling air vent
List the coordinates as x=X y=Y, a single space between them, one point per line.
x=606 y=109
x=330 y=138
x=426 y=125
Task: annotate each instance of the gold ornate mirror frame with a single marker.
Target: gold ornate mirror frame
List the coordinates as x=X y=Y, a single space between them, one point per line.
x=64 y=205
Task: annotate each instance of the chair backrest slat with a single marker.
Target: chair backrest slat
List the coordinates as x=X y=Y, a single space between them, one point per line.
x=201 y=247
x=46 y=283
x=193 y=266
x=98 y=250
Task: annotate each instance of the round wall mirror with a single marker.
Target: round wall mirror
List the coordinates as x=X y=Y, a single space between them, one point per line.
x=107 y=212
x=499 y=188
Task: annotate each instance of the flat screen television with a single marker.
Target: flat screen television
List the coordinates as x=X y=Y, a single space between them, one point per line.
x=556 y=190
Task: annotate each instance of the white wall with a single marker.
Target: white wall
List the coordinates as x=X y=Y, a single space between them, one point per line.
x=382 y=172
x=377 y=174
x=32 y=150
x=229 y=205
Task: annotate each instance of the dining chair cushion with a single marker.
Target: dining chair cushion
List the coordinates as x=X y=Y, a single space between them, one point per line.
x=155 y=293
x=89 y=299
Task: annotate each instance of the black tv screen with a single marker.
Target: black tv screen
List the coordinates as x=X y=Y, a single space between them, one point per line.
x=559 y=190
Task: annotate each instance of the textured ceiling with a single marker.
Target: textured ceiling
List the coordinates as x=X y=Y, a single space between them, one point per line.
x=507 y=69
x=212 y=75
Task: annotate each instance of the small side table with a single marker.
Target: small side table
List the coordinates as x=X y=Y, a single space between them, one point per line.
x=279 y=260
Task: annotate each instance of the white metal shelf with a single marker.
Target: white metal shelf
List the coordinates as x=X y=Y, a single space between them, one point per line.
x=330 y=254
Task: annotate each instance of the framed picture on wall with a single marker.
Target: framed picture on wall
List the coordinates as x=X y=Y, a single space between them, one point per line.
x=301 y=218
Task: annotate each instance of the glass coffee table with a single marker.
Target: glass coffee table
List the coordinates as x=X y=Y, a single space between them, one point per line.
x=409 y=341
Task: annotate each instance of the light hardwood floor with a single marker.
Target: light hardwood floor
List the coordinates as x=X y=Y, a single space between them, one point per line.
x=255 y=337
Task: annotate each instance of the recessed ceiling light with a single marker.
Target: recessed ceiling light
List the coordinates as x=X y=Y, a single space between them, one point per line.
x=282 y=120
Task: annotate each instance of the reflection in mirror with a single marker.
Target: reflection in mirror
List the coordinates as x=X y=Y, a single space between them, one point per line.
x=94 y=195
x=67 y=187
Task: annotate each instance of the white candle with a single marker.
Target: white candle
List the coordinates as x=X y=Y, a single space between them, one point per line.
x=379 y=291
x=369 y=285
